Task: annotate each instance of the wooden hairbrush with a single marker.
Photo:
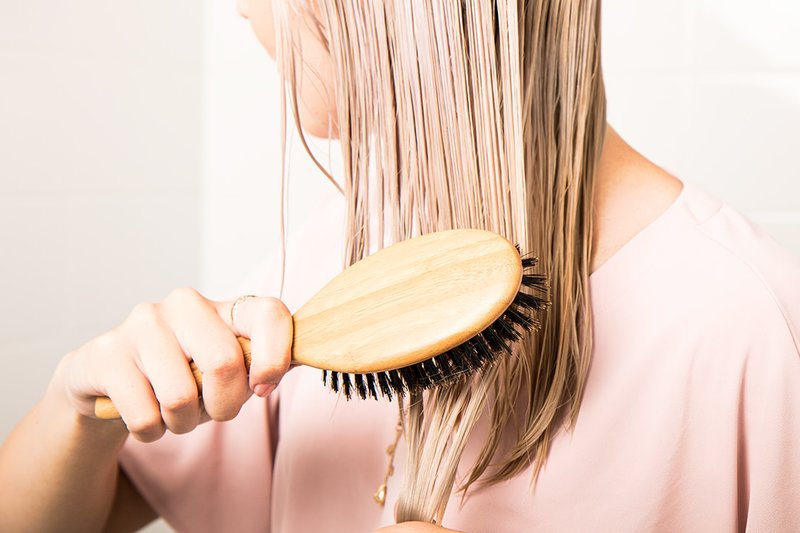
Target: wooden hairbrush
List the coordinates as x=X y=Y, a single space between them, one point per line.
x=420 y=313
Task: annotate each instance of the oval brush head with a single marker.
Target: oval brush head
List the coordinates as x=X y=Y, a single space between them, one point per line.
x=420 y=313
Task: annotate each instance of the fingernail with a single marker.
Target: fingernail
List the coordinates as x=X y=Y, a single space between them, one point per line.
x=264 y=389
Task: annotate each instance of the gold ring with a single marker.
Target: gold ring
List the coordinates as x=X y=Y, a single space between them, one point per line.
x=237 y=301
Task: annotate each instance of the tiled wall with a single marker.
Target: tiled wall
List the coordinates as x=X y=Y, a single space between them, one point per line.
x=100 y=174
x=710 y=89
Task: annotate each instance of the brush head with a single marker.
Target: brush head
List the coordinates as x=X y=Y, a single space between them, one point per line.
x=476 y=353
x=421 y=313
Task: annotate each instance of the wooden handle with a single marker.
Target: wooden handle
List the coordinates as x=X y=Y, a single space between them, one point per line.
x=104 y=407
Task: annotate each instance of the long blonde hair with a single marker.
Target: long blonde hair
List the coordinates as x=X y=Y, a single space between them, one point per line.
x=474 y=114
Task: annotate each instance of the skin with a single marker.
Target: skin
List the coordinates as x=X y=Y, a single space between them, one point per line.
x=62 y=462
x=59 y=469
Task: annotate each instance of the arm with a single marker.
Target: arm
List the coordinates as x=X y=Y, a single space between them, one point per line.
x=130 y=511
x=59 y=467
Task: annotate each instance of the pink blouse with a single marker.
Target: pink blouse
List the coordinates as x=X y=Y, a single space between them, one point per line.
x=690 y=420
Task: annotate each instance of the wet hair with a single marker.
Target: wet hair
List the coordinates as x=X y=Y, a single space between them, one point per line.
x=472 y=114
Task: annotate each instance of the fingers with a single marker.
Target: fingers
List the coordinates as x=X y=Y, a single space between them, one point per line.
x=143 y=365
x=134 y=399
x=105 y=366
x=162 y=359
x=206 y=339
x=268 y=324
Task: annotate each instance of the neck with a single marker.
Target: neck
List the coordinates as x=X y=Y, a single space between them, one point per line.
x=630 y=192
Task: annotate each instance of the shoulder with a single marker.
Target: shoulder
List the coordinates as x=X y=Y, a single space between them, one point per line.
x=705 y=269
x=747 y=276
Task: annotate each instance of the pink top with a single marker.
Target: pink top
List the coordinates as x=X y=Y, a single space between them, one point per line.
x=690 y=422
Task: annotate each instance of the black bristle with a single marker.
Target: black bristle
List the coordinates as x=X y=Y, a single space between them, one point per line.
x=486 y=356
x=427 y=373
x=517 y=315
x=384 y=385
x=361 y=387
x=396 y=381
x=473 y=357
x=505 y=328
x=324 y=377
x=432 y=374
x=493 y=340
x=508 y=342
x=409 y=376
x=335 y=381
x=534 y=281
x=346 y=385
x=529 y=301
x=529 y=262
x=457 y=359
x=483 y=351
x=419 y=379
x=371 y=386
x=423 y=380
x=444 y=363
x=434 y=370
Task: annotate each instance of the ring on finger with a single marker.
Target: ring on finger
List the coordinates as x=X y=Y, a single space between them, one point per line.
x=236 y=302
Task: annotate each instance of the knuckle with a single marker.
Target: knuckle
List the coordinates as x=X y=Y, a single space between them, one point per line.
x=269 y=373
x=149 y=436
x=224 y=413
x=224 y=367
x=106 y=348
x=183 y=295
x=274 y=309
x=107 y=342
x=144 y=313
x=145 y=424
x=183 y=428
x=179 y=401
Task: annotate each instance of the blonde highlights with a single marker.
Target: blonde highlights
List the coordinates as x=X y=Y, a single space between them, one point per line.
x=474 y=114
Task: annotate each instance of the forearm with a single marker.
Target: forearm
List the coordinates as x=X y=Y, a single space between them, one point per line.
x=58 y=470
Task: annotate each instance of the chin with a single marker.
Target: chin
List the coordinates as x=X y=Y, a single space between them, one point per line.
x=320 y=129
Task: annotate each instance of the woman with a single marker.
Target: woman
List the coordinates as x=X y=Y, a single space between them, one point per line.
x=661 y=393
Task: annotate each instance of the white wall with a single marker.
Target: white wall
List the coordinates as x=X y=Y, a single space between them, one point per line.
x=710 y=89
x=139 y=147
x=100 y=165
x=100 y=174
x=242 y=166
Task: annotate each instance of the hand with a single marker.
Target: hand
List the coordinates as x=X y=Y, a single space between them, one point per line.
x=415 y=527
x=143 y=364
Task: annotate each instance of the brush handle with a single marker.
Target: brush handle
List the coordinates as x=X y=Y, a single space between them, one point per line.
x=104 y=407
x=402 y=305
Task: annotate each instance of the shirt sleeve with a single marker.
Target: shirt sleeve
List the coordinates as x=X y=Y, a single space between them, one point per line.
x=769 y=450
x=770 y=435
x=769 y=397
x=215 y=478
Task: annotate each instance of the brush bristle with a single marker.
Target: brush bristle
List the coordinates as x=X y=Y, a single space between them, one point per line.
x=471 y=356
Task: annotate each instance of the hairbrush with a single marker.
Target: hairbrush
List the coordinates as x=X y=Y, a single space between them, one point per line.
x=420 y=313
